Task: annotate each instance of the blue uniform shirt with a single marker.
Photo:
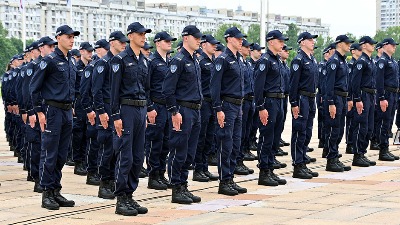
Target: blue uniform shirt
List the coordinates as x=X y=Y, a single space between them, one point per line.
x=363 y=76
x=286 y=77
x=18 y=89
x=227 y=79
x=337 y=75
x=248 y=79
x=321 y=82
x=182 y=82
x=86 y=86
x=80 y=66
x=128 y=79
x=13 y=81
x=30 y=69
x=350 y=64
x=303 y=73
x=386 y=75
x=101 y=82
x=157 y=73
x=54 y=79
x=206 y=65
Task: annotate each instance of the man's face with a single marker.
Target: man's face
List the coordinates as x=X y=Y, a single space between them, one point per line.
x=256 y=54
x=85 y=54
x=118 y=45
x=193 y=43
x=164 y=45
x=309 y=44
x=245 y=51
x=284 y=54
x=101 y=52
x=209 y=48
x=235 y=42
x=137 y=39
x=145 y=52
x=66 y=41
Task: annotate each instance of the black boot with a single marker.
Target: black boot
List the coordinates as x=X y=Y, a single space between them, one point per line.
x=235 y=186
x=212 y=160
x=374 y=145
x=371 y=163
x=253 y=146
x=251 y=171
x=240 y=170
x=200 y=176
x=29 y=178
x=143 y=173
x=345 y=168
x=80 y=169
x=69 y=162
x=332 y=165
x=324 y=152
x=280 y=152
x=310 y=149
x=210 y=175
x=105 y=190
x=384 y=156
x=20 y=159
x=281 y=164
x=140 y=209
x=92 y=179
x=123 y=207
x=48 y=200
x=226 y=189
x=248 y=156
x=186 y=191
x=349 y=149
x=179 y=196
x=310 y=159
x=299 y=171
x=358 y=160
x=37 y=188
x=276 y=178
x=266 y=179
x=284 y=142
x=61 y=200
x=321 y=143
x=155 y=182
x=163 y=179
x=314 y=174
x=394 y=156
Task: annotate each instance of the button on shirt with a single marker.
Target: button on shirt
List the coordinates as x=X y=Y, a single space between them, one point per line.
x=54 y=79
x=227 y=79
x=363 y=76
x=386 y=75
x=303 y=73
x=129 y=78
x=158 y=70
x=268 y=77
x=337 y=74
x=101 y=82
x=183 y=81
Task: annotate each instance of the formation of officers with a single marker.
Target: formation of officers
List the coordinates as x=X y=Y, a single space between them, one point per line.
x=107 y=113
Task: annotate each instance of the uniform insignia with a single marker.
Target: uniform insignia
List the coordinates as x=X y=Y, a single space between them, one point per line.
x=29 y=72
x=324 y=72
x=5 y=78
x=100 y=69
x=218 y=67
x=173 y=68
x=14 y=74
x=43 y=65
x=320 y=70
x=115 y=67
x=359 y=66
x=10 y=77
x=295 y=67
x=145 y=62
x=333 y=66
x=87 y=74
x=207 y=64
x=73 y=61
x=381 y=65
x=262 y=67
x=22 y=73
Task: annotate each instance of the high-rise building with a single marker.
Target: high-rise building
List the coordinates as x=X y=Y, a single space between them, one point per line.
x=387 y=14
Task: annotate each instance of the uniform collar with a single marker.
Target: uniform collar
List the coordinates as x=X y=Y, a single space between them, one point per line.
x=186 y=53
x=157 y=55
x=110 y=54
x=386 y=55
x=343 y=57
x=305 y=55
x=229 y=52
x=131 y=53
x=269 y=52
x=206 y=56
x=59 y=52
x=366 y=56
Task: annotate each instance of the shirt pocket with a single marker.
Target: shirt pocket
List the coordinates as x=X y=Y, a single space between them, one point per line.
x=190 y=72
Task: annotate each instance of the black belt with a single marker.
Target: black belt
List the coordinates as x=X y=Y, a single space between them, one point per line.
x=133 y=102
x=60 y=105
x=308 y=94
x=189 y=105
x=274 y=95
x=236 y=101
x=341 y=93
x=249 y=97
x=369 y=90
x=159 y=101
x=391 y=89
x=107 y=100
x=207 y=99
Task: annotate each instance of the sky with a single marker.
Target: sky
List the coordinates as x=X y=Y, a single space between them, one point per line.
x=353 y=16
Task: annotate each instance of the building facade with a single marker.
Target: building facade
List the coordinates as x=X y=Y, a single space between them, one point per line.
x=387 y=14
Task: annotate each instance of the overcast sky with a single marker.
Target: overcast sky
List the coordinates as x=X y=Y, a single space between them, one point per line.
x=354 y=16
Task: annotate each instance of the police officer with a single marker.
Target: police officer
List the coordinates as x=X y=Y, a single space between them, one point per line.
x=129 y=71
x=157 y=131
x=146 y=49
x=387 y=85
x=206 y=137
x=79 y=125
x=101 y=91
x=269 y=97
x=179 y=46
x=356 y=51
x=54 y=82
x=227 y=92
x=303 y=71
x=220 y=49
x=182 y=91
x=364 y=90
x=76 y=54
x=284 y=55
x=336 y=94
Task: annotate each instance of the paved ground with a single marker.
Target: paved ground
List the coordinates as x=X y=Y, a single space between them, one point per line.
x=360 y=196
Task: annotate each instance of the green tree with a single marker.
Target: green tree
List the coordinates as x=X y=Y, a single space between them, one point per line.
x=7 y=49
x=253 y=34
x=393 y=32
x=292 y=33
x=219 y=33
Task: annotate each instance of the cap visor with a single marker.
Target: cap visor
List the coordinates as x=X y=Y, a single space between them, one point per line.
x=123 y=39
x=314 y=36
x=214 y=42
x=283 y=38
x=197 y=35
x=240 y=35
x=143 y=30
x=170 y=39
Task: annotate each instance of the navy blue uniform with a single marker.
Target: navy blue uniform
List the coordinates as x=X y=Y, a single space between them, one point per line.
x=286 y=79
x=363 y=89
x=321 y=85
x=128 y=103
x=350 y=113
x=54 y=82
x=157 y=134
x=336 y=94
x=101 y=92
x=182 y=91
x=269 y=95
x=303 y=72
x=387 y=85
x=255 y=123
x=227 y=92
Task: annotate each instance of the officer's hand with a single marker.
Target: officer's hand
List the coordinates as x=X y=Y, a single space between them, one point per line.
x=263 y=116
x=360 y=107
x=118 y=127
x=9 y=108
x=24 y=117
x=332 y=111
x=73 y=111
x=42 y=120
x=295 y=111
x=32 y=120
x=104 y=120
x=384 y=104
x=320 y=100
x=152 y=116
x=349 y=105
x=177 y=121
x=221 y=119
x=91 y=116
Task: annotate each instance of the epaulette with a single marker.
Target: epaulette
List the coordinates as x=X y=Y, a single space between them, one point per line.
x=152 y=57
x=200 y=58
x=362 y=58
x=299 y=57
x=122 y=54
x=223 y=55
x=179 y=56
x=52 y=55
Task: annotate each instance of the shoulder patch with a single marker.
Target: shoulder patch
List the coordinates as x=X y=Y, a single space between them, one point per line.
x=145 y=62
x=381 y=65
x=87 y=73
x=100 y=69
x=115 y=67
x=262 y=67
x=359 y=66
x=43 y=65
x=179 y=56
x=173 y=68
x=218 y=67
x=333 y=66
x=295 y=67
